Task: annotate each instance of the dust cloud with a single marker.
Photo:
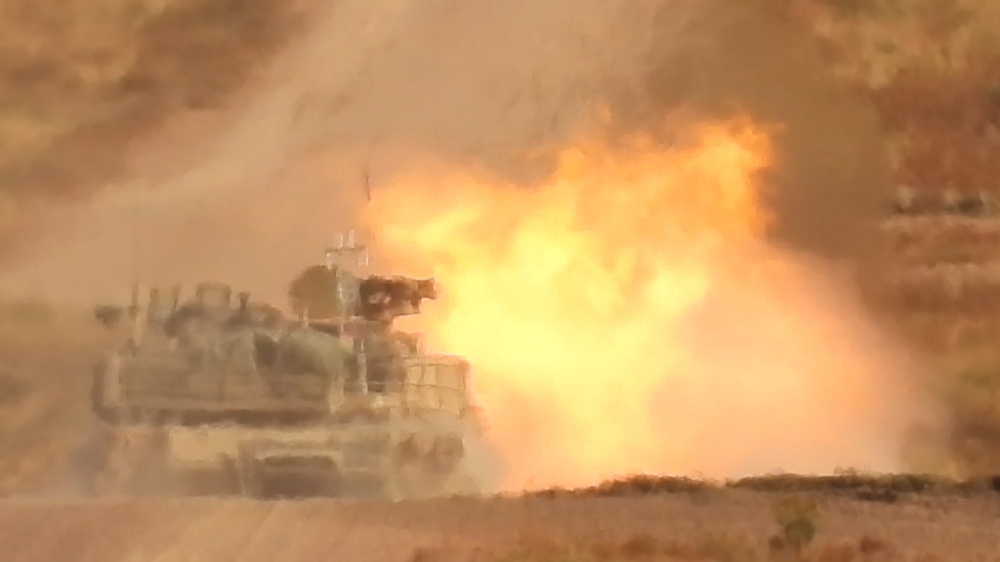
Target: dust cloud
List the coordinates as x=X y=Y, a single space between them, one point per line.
x=489 y=86
x=477 y=81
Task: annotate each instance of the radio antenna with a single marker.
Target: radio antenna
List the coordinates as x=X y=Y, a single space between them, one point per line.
x=368 y=181
x=367 y=186
x=135 y=300
x=347 y=242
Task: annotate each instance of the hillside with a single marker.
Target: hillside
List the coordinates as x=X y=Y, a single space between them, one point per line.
x=932 y=70
x=82 y=82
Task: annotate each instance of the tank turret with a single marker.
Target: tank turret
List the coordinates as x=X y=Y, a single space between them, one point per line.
x=330 y=297
x=331 y=292
x=386 y=298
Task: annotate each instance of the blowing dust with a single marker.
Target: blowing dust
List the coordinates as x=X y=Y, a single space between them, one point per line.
x=265 y=187
x=671 y=291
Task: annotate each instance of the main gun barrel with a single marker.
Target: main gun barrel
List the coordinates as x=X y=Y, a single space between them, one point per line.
x=385 y=298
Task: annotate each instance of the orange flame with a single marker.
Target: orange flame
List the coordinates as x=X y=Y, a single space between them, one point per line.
x=582 y=304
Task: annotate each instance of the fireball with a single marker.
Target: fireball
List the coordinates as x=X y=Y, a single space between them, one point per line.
x=589 y=306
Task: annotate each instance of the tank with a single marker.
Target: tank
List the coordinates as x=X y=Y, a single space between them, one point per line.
x=217 y=394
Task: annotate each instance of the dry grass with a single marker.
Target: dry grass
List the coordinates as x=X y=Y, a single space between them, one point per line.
x=793 y=523
x=731 y=525
x=885 y=488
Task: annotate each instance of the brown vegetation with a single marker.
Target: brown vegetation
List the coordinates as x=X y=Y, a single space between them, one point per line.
x=794 y=520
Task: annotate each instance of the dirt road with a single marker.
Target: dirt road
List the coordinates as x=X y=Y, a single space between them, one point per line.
x=947 y=528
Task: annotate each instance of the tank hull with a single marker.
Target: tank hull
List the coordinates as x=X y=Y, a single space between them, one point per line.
x=175 y=431
x=362 y=460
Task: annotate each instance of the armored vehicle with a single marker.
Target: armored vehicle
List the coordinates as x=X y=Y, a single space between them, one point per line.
x=217 y=394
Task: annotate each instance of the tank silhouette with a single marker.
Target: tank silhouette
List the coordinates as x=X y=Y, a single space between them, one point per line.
x=217 y=394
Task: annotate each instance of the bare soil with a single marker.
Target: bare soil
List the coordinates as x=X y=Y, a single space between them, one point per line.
x=652 y=527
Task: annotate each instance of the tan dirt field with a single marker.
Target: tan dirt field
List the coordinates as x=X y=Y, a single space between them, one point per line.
x=920 y=528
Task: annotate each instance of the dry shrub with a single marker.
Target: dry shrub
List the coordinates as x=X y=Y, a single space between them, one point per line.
x=799 y=494
x=639 y=485
x=796 y=519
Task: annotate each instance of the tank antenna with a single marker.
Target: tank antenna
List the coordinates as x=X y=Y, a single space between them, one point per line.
x=366 y=258
x=134 y=303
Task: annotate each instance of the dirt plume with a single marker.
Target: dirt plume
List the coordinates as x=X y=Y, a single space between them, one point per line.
x=622 y=322
x=676 y=298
